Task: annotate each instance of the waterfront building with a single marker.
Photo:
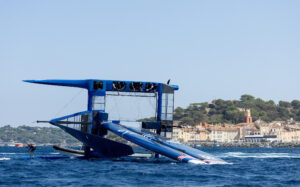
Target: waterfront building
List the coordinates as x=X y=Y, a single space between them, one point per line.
x=177 y=130
x=289 y=135
x=205 y=135
x=246 y=129
x=258 y=131
x=260 y=138
x=224 y=134
x=264 y=129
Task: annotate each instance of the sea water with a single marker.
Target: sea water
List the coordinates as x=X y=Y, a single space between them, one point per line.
x=250 y=167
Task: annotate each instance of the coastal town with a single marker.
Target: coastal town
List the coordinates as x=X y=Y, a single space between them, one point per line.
x=249 y=132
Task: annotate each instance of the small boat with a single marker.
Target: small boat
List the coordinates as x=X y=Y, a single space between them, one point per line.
x=19 y=145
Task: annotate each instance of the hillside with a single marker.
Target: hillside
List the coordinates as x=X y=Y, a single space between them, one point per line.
x=231 y=111
x=38 y=135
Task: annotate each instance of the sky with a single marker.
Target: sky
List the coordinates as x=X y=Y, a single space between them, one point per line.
x=212 y=49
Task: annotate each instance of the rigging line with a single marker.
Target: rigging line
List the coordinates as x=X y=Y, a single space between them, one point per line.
x=114 y=107
x=68 y=103
x=117 y=100
x=139 y=109
x=152 y=104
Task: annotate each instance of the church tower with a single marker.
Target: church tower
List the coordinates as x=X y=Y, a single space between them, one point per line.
x=248 y=116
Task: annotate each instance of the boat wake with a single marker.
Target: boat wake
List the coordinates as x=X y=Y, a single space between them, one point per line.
x=55 y=153
x=259 y=155
x=4 y=159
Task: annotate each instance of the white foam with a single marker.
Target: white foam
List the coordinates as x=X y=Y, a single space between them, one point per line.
x=260 y=155
x=196 y=162
x=54 y=153
x=4 y=158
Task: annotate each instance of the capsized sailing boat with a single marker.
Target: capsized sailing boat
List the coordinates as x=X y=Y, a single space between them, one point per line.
x=91 y=126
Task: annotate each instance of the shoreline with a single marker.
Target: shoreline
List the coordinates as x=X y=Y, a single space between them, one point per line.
x=204 y=144
x=247 y=144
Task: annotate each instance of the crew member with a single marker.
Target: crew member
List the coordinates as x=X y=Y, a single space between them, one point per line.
x=31 y=148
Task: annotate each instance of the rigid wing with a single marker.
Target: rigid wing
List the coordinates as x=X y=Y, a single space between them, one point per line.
x=92 y=126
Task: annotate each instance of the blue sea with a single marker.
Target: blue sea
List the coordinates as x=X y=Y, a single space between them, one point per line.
x=250 y=167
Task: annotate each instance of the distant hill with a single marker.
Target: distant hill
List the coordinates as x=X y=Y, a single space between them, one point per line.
x=42 y=135
x=38 y=135
x=231 y=111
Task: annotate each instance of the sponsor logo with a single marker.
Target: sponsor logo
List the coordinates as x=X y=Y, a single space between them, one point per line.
x=183 y=157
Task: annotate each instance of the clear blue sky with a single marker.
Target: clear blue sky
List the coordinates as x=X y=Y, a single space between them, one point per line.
x=211 y=49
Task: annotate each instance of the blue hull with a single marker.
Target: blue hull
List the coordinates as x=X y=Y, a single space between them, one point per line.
x=105 y=147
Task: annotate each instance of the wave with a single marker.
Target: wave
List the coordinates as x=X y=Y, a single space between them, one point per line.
x=55 y=153
x=259 y=155
x=4 y=158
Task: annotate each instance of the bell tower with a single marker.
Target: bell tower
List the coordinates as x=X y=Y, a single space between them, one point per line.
x=248 y=117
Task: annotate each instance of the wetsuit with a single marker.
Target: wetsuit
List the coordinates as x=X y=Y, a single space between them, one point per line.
x=31 y=149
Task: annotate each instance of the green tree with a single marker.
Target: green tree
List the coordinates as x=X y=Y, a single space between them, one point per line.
x=188 y=120
x=296 y=104
x=284 y=104
x=234 y=116
x=246 y=97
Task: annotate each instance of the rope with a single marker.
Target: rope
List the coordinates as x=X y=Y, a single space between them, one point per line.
x=68 y=103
